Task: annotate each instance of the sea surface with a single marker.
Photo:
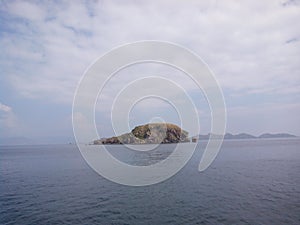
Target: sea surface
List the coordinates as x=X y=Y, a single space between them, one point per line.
x=250 y=182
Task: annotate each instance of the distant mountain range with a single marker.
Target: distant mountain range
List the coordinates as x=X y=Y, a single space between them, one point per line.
x=244 y=136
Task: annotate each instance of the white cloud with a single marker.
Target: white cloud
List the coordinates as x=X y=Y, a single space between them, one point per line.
x=245 y=44
x=26 y=10
x=5 y=108
x=8 y=121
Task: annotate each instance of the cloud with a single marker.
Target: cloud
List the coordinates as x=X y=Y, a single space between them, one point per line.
x=26 y=10
x=59 y=42
x=5 y=108
x=253 y=47
x=8 y=121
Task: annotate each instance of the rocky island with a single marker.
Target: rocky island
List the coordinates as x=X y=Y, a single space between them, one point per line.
x=152 y=133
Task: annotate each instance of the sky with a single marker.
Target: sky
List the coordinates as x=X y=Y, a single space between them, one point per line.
x=252 y=47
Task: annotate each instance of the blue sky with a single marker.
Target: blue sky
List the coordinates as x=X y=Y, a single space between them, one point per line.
x=253 y=49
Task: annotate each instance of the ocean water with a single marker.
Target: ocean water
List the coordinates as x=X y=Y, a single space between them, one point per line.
x=250 y=182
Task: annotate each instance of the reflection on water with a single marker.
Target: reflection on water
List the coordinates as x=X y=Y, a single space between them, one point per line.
x=142 y=158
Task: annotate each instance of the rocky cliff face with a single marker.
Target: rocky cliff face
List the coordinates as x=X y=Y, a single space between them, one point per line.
x=153 y=133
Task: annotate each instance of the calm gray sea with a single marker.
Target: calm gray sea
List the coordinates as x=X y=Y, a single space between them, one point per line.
x=250 y=182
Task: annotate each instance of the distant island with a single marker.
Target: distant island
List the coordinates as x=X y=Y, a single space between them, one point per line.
x=243 y=136
x=152 y=133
